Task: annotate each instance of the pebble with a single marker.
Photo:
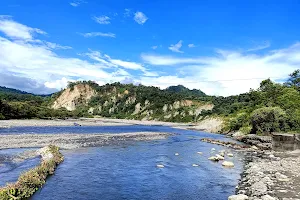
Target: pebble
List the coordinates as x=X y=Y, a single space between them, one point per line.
x=176 y=154
x=195 y=165
x=160 y=166
x=199 y=153
x=230 y=155
x=228 y=164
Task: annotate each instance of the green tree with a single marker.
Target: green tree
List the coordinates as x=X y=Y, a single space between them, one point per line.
x=268 y=120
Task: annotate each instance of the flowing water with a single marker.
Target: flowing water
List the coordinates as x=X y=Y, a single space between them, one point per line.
x=129 y=171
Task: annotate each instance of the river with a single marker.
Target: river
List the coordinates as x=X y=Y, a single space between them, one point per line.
x=129 y=171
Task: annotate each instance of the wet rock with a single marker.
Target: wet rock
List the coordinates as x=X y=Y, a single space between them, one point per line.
x=213 y=158
x=200 y=153
x=228 y=164
x=160 y=166
x=230 y=155
x=238 y=197
x=219 y=157
x=195 y=165
x=213 y=149
x=176 y=154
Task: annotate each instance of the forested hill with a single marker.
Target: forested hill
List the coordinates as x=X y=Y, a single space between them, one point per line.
x=270 y=108
x=185 y=91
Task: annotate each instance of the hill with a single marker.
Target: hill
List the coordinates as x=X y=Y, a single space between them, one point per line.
x=272 y=107
x=185 y=91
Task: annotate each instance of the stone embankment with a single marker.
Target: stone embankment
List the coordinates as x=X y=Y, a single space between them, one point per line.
x=70 y=141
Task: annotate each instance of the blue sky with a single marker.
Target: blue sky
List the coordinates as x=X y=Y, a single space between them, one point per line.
x=220 y=47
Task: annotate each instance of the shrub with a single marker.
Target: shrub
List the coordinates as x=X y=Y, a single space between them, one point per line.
x=268 y=119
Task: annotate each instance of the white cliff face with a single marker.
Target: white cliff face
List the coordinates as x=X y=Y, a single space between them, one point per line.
x=70 y=98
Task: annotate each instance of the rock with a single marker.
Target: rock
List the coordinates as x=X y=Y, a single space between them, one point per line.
x=267 y=197
x=281 y=177
x=219 y=157
x=213 y=158
x=195 y=165
x=160 y=166
x=258 y=188
x=176 y=154
x=199 y=153
x=238 y=197
x=213 y=149
x=228 y=164
x=254 y=147
x=230 y=155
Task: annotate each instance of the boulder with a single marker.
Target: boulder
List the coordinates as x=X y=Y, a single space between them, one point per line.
x=238 y=197
x=228 y=164
x=213 y=158
x=267 y=197
x=259 y=188
x=230 y=155
x=219 y=157
x=176 y=154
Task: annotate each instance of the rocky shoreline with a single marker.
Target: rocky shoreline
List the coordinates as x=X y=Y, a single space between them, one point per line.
x=270 y=176
x=70 y=141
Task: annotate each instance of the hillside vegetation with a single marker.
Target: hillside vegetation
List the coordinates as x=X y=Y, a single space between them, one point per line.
x=272 y=107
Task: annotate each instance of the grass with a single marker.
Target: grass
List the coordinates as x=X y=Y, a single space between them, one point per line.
x=30 y=181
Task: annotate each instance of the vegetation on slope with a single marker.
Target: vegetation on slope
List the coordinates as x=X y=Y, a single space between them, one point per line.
x=29 y=182
x=272 y=107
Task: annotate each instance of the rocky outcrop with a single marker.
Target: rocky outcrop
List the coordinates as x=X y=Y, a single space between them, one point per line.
x=211 y=125
x=70 y=98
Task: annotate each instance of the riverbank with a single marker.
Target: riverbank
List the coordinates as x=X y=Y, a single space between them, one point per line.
x=84 y=122
x=271 y=176
x=70 y=141
x=30 y=181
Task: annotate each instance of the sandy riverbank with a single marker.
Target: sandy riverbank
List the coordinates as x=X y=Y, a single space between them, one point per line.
x=84 y=122
x=69 y=141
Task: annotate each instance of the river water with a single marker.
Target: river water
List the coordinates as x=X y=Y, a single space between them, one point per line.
x=129 y=171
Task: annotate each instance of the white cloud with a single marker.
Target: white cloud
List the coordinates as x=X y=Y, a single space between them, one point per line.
x=265 y=45
x=102 y=19
x=228 y=72
x=191 y=46
x=56 y=46
x=109 y=62
x=95 y=34
x=140 y=18
x=77 y=3
x=154 y=47
x=33 y=61
x=16 y=30
x=127 y=12
x=176 y=47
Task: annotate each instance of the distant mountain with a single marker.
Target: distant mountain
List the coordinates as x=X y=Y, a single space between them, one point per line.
x=185 y=91
x=11 y=90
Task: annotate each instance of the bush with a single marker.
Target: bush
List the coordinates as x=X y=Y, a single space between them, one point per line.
x=268 y=120
x=239 y=121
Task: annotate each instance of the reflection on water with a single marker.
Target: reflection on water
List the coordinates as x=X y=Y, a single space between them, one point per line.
x=130 y=172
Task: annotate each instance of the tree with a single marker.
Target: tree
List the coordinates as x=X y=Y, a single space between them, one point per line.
x=268 y=120
x=294 y=80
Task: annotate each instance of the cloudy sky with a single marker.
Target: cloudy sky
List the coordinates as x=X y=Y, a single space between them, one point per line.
x=220 y=47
